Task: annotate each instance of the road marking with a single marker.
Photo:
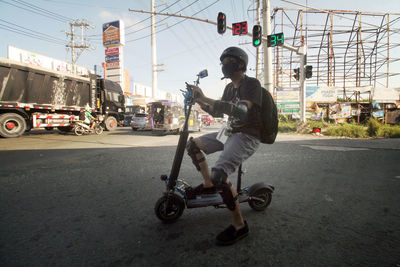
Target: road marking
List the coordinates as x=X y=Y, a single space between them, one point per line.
x=335 y=148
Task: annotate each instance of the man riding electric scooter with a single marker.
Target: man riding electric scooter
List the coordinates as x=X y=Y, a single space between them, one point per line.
x=237 y=141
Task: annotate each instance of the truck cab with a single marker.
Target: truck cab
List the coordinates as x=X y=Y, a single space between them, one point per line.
x=110 y=102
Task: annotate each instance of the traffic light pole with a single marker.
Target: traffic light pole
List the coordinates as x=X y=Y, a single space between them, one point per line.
x=268 y=80
x=302 y=52
x=303 y=86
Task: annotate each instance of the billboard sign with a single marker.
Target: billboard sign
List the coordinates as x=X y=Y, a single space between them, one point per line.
x=112 y=65
x=112 y=51
x=321 y=94
x=35 y=59
x=112 y=58
x=287 y=100
x=113 y=33
x=288 y=107
x=340 y=111
x=287 y=94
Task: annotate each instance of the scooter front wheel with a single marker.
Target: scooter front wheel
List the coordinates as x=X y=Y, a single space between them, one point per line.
x=260 y=200
x=98 y=129
x=169 y=208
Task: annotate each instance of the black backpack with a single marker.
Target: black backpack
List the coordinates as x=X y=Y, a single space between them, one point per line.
x=82 y=116
x=269 y=118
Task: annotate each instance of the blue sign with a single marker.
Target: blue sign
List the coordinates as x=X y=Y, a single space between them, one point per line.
x=112 y=58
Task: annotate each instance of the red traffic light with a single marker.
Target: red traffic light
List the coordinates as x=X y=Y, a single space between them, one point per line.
x=221 y=23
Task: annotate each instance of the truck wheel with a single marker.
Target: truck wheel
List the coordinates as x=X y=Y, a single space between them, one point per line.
x=111 y=123
x=12 y=125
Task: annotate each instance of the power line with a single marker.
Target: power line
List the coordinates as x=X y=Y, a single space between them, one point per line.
x=134 y=24
x=31 y=33
x=36 y=12
x=174 y=23
x=130 y=26
x=51 y=13
x=28 y=34
x=162 y=19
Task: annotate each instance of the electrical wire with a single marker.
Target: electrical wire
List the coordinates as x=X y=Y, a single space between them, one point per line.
x=51 y=13
x=140 y=38
x=29 y=33
x=150 y=16
x=163 y=19
x=36 y=12
x=33 y=32
x=136 y=23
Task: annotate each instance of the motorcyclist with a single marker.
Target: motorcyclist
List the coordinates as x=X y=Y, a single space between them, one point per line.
x=238 y=141
x=88 y=117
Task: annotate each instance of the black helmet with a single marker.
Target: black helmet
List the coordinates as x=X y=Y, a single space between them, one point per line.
x=236 y=52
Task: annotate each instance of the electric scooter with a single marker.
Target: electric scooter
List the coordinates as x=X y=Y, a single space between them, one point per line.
x=173 y=202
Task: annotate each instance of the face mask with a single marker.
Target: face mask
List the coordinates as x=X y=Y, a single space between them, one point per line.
x=229 y=69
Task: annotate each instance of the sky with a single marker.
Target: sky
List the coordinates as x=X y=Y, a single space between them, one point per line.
x=184 y=47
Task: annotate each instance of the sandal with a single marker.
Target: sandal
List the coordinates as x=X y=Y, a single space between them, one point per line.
x=230 y=235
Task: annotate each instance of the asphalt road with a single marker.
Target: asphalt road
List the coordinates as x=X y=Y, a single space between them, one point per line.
x=89 y=200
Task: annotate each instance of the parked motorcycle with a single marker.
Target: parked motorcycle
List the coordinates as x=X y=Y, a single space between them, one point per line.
x=81 y=128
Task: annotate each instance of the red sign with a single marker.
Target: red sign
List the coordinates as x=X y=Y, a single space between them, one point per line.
x=112 y=51
x=239 y=28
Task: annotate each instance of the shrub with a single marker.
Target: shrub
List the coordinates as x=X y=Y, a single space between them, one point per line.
x=287 y=126
x=349 y=130
x=388 y=131
x=373 y=126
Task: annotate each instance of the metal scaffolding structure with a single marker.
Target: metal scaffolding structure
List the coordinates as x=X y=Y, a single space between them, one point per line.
x=346 y=48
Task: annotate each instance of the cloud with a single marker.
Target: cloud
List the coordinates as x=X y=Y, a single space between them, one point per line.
x=127 y=18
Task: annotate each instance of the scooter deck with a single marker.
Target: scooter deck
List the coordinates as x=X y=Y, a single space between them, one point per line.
x=205 y=200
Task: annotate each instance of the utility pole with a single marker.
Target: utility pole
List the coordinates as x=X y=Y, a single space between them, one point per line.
x=258 y=52
x=82 y=45
x=267 y=50
x=303 y=87
x=153 y=52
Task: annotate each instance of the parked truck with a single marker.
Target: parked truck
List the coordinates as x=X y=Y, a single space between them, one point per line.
x=34 y=97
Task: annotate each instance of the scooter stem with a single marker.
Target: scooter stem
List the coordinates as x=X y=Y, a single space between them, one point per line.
x=180 y=150
x=239 y=179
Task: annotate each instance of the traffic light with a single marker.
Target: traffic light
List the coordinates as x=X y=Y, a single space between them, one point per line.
x=221 y=26
x=297 y=74
x=257 y=35
x=308 y=71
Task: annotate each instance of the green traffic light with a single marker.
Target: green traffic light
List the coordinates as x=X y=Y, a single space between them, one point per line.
x=256 y=42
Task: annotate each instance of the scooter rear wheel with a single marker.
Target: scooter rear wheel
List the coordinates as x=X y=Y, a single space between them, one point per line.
x=169 y=209
x=260 y=200
x=79 y=130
